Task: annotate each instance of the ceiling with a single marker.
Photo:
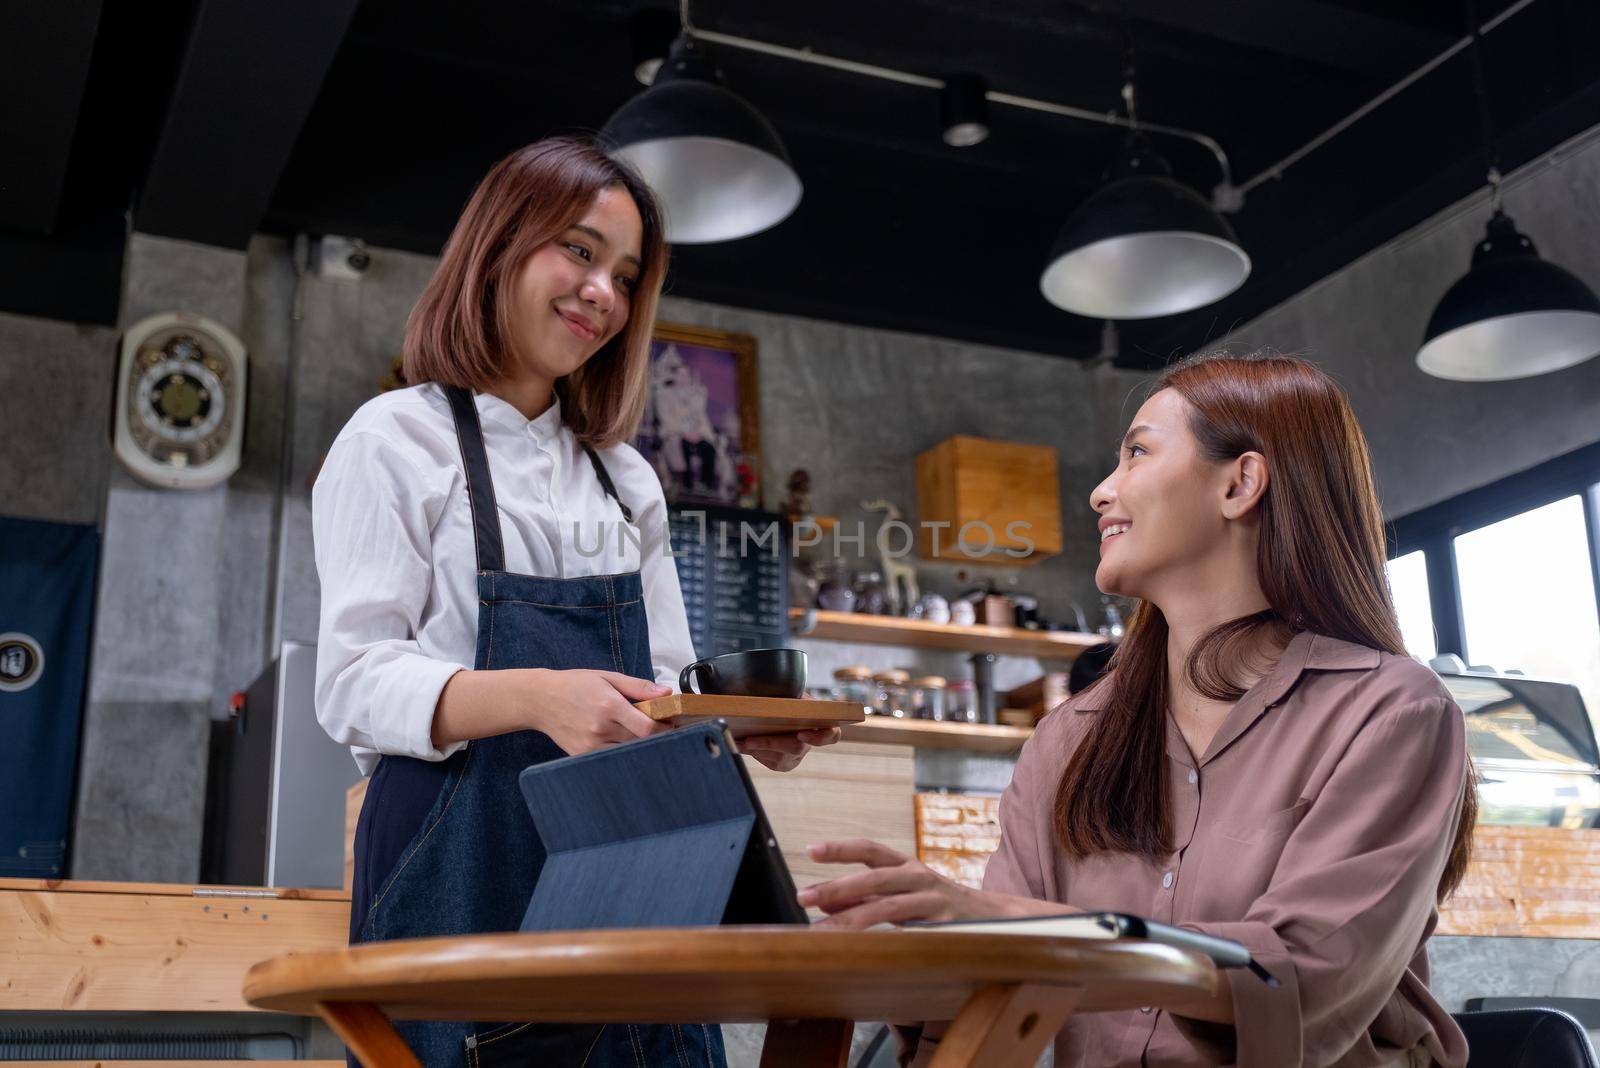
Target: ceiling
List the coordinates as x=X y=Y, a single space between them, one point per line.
x=212 y=121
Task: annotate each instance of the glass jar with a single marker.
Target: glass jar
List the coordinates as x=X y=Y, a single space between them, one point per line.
x=854 y=684
x=927 y=698
x=892 y=698
x=961 y=702
x=872 y=597
x=835 y=594
x=803 y=584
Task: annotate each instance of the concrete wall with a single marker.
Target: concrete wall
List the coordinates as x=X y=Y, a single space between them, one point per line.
x=185 y=598
x=1432 y=439
x=1466 y=968
x=55 y=397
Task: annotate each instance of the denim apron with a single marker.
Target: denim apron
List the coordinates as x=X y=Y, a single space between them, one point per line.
x=448 y=847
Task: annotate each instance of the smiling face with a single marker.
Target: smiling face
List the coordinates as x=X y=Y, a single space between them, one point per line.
x=574 y=293
x=1164 y=512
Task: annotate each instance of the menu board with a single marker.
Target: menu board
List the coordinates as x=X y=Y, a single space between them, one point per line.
x=732 y=565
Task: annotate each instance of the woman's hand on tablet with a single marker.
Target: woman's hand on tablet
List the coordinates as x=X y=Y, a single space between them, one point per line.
x=894 y=889
x=783 y=752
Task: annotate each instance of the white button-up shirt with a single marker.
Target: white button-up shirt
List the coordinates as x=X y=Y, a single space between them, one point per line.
x=397 y=562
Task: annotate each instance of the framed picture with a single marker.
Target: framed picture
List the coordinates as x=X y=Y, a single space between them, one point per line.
x=702 y=418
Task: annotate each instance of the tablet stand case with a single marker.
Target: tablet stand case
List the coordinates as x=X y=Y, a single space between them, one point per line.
x=662 y=832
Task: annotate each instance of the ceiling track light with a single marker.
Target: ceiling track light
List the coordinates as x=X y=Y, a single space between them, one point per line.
x=711 y=199
x=963 y=111
x=1512 y=315
x=1224 y=195
x=1145 y=245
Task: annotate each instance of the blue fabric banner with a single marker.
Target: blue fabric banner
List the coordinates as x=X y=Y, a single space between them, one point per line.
x=47 y=573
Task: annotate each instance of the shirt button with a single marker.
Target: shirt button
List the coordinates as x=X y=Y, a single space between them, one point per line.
x=1166 y=881
x=1194 y=776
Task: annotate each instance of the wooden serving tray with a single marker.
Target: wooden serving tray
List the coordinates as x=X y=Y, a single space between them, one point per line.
x=753 y=715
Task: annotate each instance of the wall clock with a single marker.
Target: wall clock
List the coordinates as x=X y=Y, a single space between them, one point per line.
x=180 y=401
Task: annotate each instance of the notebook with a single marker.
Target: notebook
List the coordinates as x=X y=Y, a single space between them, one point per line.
x=1223 y=952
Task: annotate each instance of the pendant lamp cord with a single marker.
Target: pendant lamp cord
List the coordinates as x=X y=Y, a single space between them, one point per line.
x=1480 y=88
x=683 y=17
x=1127 y=67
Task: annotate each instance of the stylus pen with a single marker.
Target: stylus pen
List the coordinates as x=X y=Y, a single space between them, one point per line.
x=1226 y=953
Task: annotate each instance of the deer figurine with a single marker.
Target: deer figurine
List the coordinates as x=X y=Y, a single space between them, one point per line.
x=894 y=570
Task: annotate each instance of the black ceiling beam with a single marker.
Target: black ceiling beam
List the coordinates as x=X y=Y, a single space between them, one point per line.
x=74 y=277
x=45 y=47
x=1331 y=36
x=1576 y=110
x=248 y=80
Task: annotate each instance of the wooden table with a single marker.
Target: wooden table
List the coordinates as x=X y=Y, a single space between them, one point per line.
x=1007 y=994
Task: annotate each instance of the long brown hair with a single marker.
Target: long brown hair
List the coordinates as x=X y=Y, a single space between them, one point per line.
x=458 y=333
x=1320 y=563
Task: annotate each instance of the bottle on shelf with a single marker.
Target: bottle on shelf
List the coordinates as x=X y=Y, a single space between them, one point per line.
x=854 y=684
x=983 y=682
x=961 y=702
x=928 y=698
x=893 y=693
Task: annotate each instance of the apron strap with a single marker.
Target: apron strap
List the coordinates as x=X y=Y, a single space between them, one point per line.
x=480 y=487
x=606 y=484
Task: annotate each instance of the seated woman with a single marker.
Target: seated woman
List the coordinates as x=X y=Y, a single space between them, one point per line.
x=1262 y=762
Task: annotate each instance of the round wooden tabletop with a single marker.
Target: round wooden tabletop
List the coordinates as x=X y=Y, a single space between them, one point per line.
x=719 y=975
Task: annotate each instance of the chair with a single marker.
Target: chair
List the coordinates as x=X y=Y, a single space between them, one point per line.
x=1526 y=1038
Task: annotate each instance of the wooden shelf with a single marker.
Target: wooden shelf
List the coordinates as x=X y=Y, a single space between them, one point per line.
x=921 y=634
x=973 y=737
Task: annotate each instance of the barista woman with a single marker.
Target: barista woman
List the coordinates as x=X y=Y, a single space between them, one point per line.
x=470 y=625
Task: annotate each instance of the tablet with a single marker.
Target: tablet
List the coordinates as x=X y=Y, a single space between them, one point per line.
x=666 y=831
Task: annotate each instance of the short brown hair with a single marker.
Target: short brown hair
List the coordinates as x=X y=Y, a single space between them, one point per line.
x=456 y=334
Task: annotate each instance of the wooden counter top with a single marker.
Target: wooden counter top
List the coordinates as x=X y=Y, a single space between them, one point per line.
x=151 y=947
x=89 y=886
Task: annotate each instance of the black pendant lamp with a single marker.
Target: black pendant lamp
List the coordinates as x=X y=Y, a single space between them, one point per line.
x=1512 y=315
x=1144 y=245
x=718 y=167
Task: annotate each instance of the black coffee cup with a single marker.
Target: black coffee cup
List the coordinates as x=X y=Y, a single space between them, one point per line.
x=752 y=673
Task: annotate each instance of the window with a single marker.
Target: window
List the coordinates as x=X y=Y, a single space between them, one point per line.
x=1506 y=575
x=1408 y=582
x=1528 y=596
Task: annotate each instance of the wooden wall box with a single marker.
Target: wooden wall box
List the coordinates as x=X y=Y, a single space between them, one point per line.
x=997 y=483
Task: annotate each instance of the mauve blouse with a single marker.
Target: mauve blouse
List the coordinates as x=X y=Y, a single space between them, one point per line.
x=1314 y=830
